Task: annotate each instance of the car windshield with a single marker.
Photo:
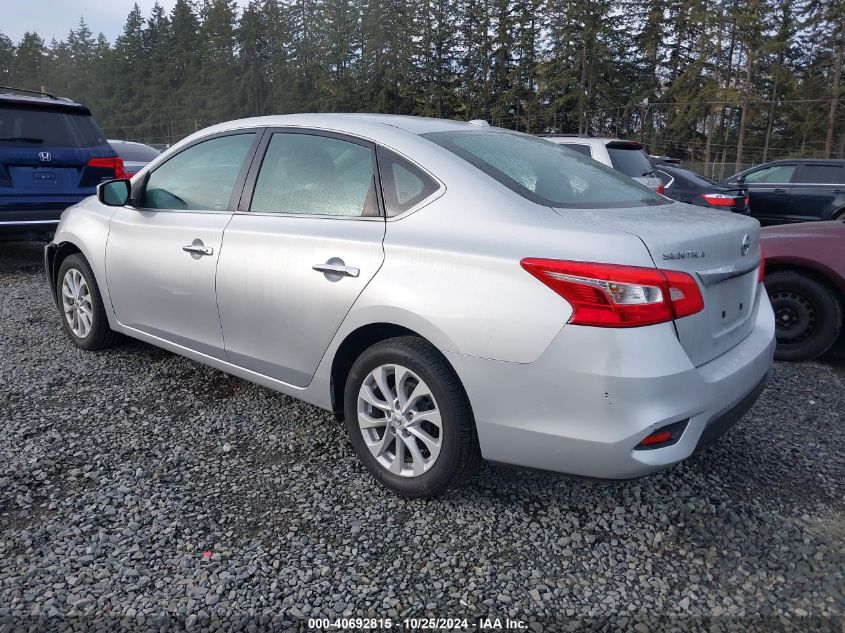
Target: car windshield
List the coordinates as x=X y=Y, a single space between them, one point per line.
x=54 y=127
x=544 y=172
x=631 y=161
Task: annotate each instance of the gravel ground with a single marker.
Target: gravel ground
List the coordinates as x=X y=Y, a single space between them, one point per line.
x=140 y=488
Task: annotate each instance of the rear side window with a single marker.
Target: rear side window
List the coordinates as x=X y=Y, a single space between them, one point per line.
x=632 y=162
x=580 y=148
x=403 y=184
x=780 y=174
x=544 y=172
x=822 y=174
x=315 y=175
x=135 y=151
x=201 y=177
x=52 y=127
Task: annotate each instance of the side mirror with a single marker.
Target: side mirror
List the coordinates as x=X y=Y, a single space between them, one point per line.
x=114 y=193
x=740 y=180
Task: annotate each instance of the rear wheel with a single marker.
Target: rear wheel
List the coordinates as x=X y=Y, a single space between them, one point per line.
x=408 y=418
x=83 y=315
x=808 y=316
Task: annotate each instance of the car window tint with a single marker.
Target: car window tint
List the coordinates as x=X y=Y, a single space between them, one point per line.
x=136 y=152
x=49 y=127
x=315 y=175
x=403 y=184
x=199 y=178
x=631 y=162
x=775 y=174
x=545 y=172
x=579 y=147
x=822 y=174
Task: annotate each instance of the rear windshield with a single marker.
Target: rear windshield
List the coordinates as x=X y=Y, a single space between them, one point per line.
x=544 y=172
x=135 y=151
x=52 y=127
x=630 y=161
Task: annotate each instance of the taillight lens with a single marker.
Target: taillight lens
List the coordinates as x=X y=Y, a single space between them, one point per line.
x=612 y=295
x=114 y=162
x=718 y=199
x=747 y=201
x=660 y=189
x=761 y=272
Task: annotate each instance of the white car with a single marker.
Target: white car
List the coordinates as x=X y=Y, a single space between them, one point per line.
x=451 y=291
x=627 y=157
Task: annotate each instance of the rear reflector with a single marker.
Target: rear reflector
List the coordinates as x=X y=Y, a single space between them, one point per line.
x=612 y=295
x=761 y=271
x=114 y=163
x=718 y=199
x=661 y=437
x=660 y=189
x=665 y=436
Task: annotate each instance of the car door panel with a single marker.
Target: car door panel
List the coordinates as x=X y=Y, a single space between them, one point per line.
x=278 y=313
x=159 y=288
x=162 y=254
x=814 y=194
x=769 y=196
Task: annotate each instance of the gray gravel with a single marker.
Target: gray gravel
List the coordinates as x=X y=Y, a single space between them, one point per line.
x=139 y=485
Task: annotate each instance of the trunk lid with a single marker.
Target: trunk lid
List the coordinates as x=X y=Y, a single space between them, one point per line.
x=707 y=244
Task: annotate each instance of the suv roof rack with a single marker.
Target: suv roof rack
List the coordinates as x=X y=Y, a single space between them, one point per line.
x=31 y=92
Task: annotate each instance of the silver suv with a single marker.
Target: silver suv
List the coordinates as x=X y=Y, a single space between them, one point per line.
x=625 y=156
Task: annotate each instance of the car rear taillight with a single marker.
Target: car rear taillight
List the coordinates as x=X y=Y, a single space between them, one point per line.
x=747 y=201
x=612 y=295
x=718 y=199
x=761 y=271
x=114 y=162
x=660 y=189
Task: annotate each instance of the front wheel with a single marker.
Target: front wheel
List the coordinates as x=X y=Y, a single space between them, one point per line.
x=408 y=418
x=83 y=315
x=808 y=317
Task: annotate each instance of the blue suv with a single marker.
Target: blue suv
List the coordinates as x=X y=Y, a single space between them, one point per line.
x=52 y=155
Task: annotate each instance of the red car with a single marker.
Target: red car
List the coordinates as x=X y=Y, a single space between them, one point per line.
x=805 y=279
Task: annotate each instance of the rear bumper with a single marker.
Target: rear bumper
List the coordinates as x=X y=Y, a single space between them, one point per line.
x=595 y=393
x=34 y=214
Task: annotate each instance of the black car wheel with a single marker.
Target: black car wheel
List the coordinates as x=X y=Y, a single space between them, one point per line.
x=808 y=316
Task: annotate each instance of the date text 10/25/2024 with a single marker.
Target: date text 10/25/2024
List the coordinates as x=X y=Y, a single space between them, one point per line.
x=413 y=624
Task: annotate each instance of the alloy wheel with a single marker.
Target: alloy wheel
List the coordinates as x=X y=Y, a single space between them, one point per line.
x=399 y=420
x=76 y=303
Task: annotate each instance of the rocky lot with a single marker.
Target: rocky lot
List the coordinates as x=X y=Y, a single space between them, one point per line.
x=138 y=487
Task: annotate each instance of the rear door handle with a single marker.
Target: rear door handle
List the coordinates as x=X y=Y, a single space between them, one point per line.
x=336 y=267
x=778 y=190
x=197 y=248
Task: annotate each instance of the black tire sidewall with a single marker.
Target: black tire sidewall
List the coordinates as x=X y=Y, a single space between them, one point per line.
x=827 y=311
x=448 y=463
x=99 y=321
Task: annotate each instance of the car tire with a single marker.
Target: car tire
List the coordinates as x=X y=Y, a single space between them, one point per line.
x=808 y=316
x=81 y=305
x=451 y=447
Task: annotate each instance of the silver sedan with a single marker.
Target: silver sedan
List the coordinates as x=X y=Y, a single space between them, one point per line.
x=451 y=291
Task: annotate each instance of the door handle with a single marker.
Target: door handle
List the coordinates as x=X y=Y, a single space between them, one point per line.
x=336 y=267
x=198 y=249
x=778 y=190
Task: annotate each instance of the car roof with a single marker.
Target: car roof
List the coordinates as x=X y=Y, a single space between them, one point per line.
x=26 y=97
x=353 y=122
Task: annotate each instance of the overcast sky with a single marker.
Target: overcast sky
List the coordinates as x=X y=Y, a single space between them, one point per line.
x=55 y=18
